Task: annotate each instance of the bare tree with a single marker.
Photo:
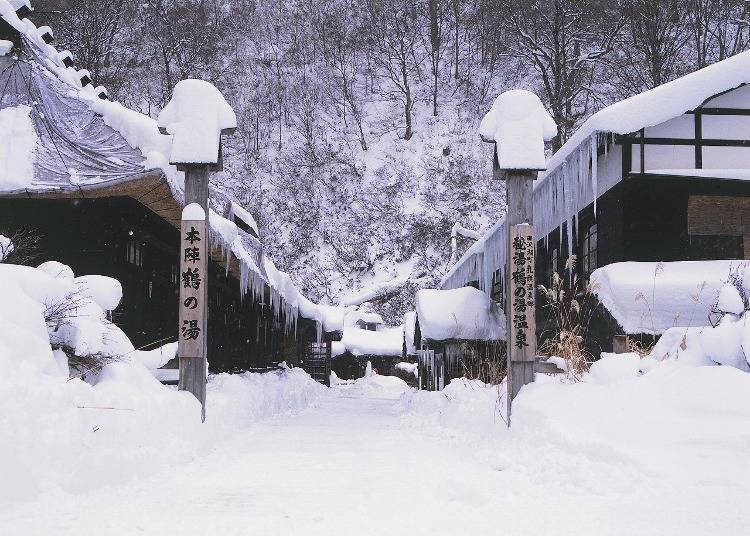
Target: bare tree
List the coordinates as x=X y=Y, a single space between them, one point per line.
x=564 y=41
x=395 y=32
x=652 y=47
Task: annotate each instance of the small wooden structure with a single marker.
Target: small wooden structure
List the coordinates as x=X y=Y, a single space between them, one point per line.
x=458 y=333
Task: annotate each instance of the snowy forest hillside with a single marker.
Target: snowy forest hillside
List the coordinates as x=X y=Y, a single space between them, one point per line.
x=357 y=146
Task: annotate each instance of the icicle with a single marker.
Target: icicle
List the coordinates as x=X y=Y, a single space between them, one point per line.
x=595 y=171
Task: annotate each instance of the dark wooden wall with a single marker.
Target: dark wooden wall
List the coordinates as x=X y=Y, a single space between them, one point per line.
x=643 y=218
x=92 y=236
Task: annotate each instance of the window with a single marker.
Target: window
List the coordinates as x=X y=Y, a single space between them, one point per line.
x=497 y=287
x=134 y=252
x=588 y=251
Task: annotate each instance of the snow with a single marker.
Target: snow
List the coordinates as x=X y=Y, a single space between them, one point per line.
x=195 y=117
x=364 y=313
x=659 y=104
x=519 y=125
x=64 y=435
x=619 y=442
x=410 y=320
x=5 y=47
x=105 y=291
x=463 y=313
x=409 y=368
x=730 y=300
x=572 y=177
x=727 y=343
x=17 y=151
x=647 y=297
x=239 y=212
x=387 y=341
x=57 y=269
x=6 y=247
x=194 y=212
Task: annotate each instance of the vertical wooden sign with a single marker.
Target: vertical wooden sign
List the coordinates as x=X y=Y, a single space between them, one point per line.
x=519 y=273
x=521 y=295
x=191 y=347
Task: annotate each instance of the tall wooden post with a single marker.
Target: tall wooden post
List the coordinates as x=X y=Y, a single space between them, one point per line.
x=517 y=125
x=520 y=282
x=196 y=117
x=193 y=341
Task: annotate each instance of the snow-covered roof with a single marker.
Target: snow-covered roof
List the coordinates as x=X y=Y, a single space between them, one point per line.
x=60 y=135
x=659 y=104
x=571 y=180
x=651 y=297
x=459 y=314
x=386 y=342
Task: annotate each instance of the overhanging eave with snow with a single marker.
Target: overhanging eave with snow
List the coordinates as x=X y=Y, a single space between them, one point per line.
x=637 y=172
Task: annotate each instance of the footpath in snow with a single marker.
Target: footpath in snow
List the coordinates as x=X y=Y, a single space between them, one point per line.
x=627 y=451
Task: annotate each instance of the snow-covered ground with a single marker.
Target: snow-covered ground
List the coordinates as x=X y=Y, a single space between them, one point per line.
x=638 y=447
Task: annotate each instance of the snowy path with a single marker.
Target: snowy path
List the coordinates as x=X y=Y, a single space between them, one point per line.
x=353 y=466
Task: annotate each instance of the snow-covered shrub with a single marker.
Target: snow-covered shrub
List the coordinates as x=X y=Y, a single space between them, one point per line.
x=59 y=432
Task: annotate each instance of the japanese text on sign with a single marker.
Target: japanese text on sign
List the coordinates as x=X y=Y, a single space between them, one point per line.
x=193 y=266
x=522 y=293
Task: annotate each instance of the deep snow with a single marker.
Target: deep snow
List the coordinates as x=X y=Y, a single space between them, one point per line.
x=638 y=447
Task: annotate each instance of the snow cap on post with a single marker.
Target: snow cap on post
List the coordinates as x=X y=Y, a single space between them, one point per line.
x=519 y=125
x=193 y=212
x=196 y=117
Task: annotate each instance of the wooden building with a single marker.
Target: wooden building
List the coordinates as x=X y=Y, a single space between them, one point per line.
x=458 y=333
x=80 y=183
x=661 y=176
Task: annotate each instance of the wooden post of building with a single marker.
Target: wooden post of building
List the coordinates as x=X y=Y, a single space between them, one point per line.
x=193 y=336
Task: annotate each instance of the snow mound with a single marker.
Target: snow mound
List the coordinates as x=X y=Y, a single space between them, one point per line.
x=409 y=368
x=57 y=269
x=473 y=408
x=519 y=125
x=628 y=422
x=195 y=116
x=388 y=341
x=105 y=291
x=63 y=433
x=650 y=297
x=376 y=386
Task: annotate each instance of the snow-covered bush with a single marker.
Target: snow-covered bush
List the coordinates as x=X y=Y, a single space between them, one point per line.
x=58 y=432
x=724 y=342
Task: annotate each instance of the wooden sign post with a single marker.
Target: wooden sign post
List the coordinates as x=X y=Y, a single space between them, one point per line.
x=193 y=322
x=196 y=117
x=520 y=298
x=517 y=125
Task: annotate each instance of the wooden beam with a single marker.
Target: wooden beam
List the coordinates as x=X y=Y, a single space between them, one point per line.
x=719 y=111
x=711 y=142
x=698 y=121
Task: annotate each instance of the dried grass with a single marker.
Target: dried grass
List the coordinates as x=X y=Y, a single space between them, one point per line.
x=570 y=304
